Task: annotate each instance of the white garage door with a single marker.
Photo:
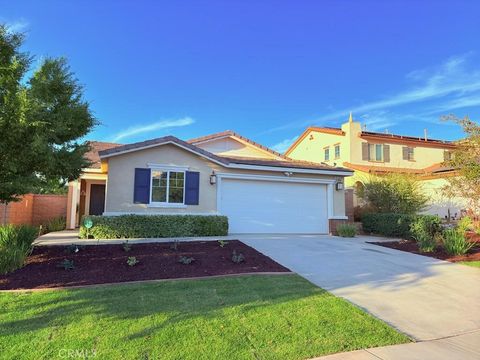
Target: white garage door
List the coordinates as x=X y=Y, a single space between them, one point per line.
x=257 y=206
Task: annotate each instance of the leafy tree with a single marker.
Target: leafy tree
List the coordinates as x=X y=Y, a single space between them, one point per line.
x=466 y=160
x=41 y=120
x=393 y=193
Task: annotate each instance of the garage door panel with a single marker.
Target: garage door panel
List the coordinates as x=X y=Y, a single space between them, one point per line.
x=257 y=206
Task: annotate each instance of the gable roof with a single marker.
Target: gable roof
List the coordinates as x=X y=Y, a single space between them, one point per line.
x=95 y=147
x=369 y=135
x=231 y=162
x=324 y=130
x=230 y=133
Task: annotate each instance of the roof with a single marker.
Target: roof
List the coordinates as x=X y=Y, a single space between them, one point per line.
x=368 y=135
x=433 y=169
x=233 y=162
x=324 y=130
x=92 y=155
x=229 y=133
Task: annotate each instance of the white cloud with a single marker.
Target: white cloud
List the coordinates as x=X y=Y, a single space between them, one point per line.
x=451 y=78
x=159 y=125
x=17 y=25
x=283 y=145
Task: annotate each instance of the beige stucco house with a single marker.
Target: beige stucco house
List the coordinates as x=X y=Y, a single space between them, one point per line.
x=372 y=153
x=260 y=190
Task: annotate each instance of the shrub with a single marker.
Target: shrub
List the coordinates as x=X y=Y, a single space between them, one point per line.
x=185 y=260
x=346 y=230
x=394 y=193
x=132 y=261
x=237 y=258
x=126 y=246
x=392 y=225
x=424 y=229
x=222 y=243
x=56 y=224
x=464 y=224
x=455 y=242
x=15 y=246
x=66 y=264
x=148 y=226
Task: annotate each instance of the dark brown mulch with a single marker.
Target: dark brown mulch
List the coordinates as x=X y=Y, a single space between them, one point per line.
x=100 y=264
x=439 y=253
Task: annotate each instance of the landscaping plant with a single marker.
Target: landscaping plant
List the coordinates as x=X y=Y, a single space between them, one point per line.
x=126 y=246
x=56 y=224
x=424 y=230
x=346 y=230
x=174 y=245
x=67 y=264
x=185 y=260
x=222 y=243
x=455 y=242
x=74 y=248
x=132 y=261
x=237 y=258
x=15 y=246
x=393 y=225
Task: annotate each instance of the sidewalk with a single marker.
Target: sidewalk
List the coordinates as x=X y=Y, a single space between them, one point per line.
x=461 y=347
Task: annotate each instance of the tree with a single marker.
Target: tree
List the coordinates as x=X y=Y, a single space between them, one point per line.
x=393 y=193
x=465 y=159
x=41 y=121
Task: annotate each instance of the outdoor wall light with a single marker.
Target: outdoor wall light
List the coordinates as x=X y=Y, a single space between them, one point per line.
x=213 y=178
x=339 y=186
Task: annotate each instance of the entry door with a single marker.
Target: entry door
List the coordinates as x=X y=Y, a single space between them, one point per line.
x=97 y=199
x=258 y=206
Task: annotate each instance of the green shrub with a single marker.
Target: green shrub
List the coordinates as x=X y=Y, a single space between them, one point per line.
x=464 y=224
x=391 y=225
x=56 y=224
x=424 y=229
x=15 y=246
x=455 y=242
x=346 y=230
x=148 y=226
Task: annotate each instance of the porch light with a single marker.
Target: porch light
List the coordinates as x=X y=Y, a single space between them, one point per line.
x=339 y=185
x=213 y=178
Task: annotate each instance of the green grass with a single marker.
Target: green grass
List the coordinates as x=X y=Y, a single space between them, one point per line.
x=247 y=317
x=471 y=263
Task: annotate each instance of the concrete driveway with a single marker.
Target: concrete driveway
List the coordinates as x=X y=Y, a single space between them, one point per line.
x=425 y=298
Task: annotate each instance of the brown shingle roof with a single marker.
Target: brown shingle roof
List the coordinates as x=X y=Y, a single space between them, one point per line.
x=95 y=147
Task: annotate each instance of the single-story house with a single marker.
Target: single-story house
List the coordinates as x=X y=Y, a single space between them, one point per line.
x=260 y=190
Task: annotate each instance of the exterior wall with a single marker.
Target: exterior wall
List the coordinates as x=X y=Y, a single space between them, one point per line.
x=440 y=204
x=120 y=183
x=231 y=147
x=34 y=209
x=312 y=148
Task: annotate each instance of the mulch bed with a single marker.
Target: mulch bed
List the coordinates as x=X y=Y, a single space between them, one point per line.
x=439 y=253
x=100 y=264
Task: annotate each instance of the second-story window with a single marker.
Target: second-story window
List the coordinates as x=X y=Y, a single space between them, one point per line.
x=375 y=152
x=337 y=151
x=408 y=153
x=327 y=153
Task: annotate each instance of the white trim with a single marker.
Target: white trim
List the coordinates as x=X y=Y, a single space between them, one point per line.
x=91 y=170
x=167 y=204
x=274 y=178
x=73 y=205
x=167 y=167
x=119 y=213
x=240 y=166
x=330 y=200
x=338 y=217
x=88 y=193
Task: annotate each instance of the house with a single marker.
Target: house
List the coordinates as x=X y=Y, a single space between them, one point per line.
x=260 y=190
x=368 y=153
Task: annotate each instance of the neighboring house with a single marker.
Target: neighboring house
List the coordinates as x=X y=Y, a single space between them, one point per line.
x=260 y=190
x=375 y=153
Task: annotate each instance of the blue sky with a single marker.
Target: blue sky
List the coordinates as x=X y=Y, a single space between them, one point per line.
x=266 y=69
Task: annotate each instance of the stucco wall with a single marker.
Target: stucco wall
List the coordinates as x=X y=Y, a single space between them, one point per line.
x=120 y=183
x=232 y=147
x=312 y=148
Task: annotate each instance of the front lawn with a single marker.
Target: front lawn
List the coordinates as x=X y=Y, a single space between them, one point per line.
x=244 y=317
x=471 y=263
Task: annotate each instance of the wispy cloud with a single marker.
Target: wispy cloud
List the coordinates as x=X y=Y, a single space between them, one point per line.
x=283 y=145
x=159 y=125
x=453 y=78
x=17 y=25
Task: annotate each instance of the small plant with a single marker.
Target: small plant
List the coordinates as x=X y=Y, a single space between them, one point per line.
x=346 y=230
x=56 y=224
x=464 y=224
x=74 y=248
x=185 y=260
x=67 y=264
x=424 y=230
x=132 y=261
x=455 y=242
x=174 y=245
x=15 y=246
x=126 y=246
x=237 y=258
x=222 y=243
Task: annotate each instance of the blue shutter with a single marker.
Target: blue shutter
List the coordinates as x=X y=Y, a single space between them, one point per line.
x=141 y=190
x=192 y=187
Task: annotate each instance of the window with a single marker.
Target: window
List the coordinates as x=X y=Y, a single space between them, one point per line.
x=375 y=152
x=447 y=155
x=337 y=151
x=327 y=154
x=408 y=153
x=168 y=187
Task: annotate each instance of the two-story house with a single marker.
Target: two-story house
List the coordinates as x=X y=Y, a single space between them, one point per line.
x=375 y=153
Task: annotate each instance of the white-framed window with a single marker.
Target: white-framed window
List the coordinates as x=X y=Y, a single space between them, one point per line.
x=408 y=153
x=327 y=153
x=375 y=152
x=337 y=151
x=167 y=187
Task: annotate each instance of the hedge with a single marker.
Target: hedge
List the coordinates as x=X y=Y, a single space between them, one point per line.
x=394 y=225
x=149 y=226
